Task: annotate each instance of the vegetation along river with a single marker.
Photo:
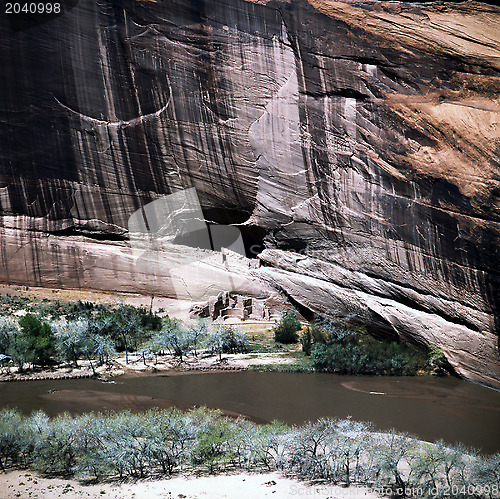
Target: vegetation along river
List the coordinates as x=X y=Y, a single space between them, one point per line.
x=430 y=408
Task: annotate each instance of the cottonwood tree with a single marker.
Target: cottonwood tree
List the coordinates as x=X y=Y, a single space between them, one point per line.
x=31 y=430
x=454 y=461
x=436 y=466
x=10 y=423
x=308 y=451
x=172 y=438
x=81 y=338
x=426 y=466
x=128 y=326
x=124 y=326
x=56 y=450
x=247 y=443
x=179 y=341
x=91 y=434
x=216 y=340
x=197 y=333
x=13 y=343
x=225 y=339
x=156 y=345
x=278 y=438
x=103 y=348
x=71 y=337
x=353 y=439
x=390 y=450
x=485 y=474
x=128 y=449
x=173 y=337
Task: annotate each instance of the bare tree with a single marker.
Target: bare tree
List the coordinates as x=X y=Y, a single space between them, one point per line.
x=197 y=332
x=390 y=450
x=71 y=337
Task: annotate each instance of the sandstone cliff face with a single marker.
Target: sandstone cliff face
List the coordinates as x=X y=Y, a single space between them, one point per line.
x=356 y=146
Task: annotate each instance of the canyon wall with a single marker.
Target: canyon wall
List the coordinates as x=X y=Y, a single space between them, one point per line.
x=354 y=145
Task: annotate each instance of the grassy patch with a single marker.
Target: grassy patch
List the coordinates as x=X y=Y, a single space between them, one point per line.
x=263 y=342
x=282 y=368
x=300 y=364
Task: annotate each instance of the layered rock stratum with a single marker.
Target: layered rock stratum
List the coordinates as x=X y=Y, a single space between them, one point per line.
x=354 y=144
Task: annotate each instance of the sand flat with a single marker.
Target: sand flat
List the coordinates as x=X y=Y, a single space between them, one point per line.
x=30 y=485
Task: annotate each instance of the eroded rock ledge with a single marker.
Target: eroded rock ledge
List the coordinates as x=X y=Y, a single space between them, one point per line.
x=355 y=144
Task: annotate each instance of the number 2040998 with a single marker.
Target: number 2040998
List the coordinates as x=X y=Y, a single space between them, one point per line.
x=32 y=8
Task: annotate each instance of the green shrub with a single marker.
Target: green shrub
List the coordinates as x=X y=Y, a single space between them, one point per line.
x=11 y=303
x=437 y=361
x=380 y=358
x=306 y=340
x=149 y=320
x=339 y=346
x=40 y=340
x=287 y=329
x=214 y=443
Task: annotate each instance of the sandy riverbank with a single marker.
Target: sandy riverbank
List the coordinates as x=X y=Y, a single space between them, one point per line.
x=30 y=485
x=166 y=363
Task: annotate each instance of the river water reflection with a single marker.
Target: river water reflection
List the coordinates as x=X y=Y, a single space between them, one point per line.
x=431 y=408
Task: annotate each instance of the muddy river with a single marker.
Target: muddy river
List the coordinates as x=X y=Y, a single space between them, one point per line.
x=430 y=408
